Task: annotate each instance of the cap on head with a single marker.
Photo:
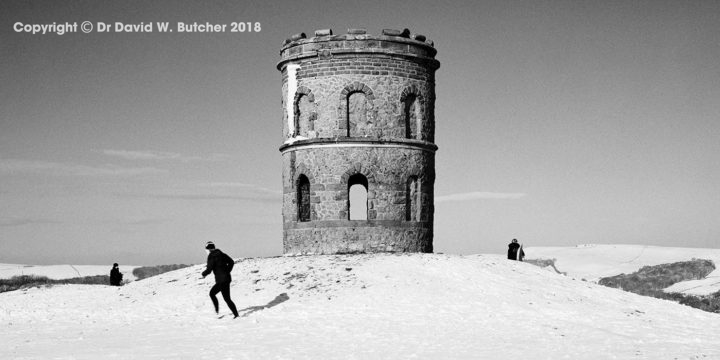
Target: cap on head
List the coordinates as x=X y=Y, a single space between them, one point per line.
x=514 y=240
x=210 y=245
x=115 y=265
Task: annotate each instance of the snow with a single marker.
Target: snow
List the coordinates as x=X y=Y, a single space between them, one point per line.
x=387 y=306
x=293 y=139
x=592 y=262
x=57 y=272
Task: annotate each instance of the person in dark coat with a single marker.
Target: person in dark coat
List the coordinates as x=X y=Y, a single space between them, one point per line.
x=115 y=275
x=221 y=265
x=513 y=248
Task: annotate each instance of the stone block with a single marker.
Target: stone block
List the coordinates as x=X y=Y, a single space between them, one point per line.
x=393 y=32
x=323 y=32
x=298 y=36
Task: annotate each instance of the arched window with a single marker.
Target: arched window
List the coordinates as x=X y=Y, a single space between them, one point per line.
x=412 y=103
x=304 y=115
x=411 y=113
x=355 y=110
x=357 y=113
x=303 y=198
x=412 y=199
x=358 y=197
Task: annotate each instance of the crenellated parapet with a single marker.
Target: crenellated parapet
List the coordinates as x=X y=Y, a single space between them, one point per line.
x=392 y=42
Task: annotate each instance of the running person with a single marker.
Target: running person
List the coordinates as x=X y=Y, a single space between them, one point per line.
x=221 y=264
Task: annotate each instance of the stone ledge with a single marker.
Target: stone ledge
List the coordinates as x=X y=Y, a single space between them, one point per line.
x=350 y=142
x=357 y=224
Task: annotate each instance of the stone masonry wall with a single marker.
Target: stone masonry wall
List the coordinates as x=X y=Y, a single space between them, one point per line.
x=357 y=237
x=326 y=80
x=328 y=169
x=358 y=104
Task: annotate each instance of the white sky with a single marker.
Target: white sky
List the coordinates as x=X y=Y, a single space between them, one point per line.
x=558 y=122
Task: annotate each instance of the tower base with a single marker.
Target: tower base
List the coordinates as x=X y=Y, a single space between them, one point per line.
x=355 y=236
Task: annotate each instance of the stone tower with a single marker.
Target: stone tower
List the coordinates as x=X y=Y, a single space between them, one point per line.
x=358 y=152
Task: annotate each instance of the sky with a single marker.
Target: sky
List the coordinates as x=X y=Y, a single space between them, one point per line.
x=558 y=123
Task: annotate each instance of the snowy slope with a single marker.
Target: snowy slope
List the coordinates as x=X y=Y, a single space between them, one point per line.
x=58 y=272
x=419 y=306
x=592 y=262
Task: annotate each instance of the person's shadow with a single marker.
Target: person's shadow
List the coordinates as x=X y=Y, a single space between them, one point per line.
x=276 y=301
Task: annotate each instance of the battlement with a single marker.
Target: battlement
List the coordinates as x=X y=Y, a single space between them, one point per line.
x=325 y=45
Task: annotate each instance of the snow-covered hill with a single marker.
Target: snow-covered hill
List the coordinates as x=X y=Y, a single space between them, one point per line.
x=592 y=262
x=57 y=272
x=426 y=306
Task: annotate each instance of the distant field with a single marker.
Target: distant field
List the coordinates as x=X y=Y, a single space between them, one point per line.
x=593 y=262
x=59 y=272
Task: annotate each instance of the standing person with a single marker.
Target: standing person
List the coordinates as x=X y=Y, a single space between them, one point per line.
x=221 y=264
x=513 y=249
x=115 y=275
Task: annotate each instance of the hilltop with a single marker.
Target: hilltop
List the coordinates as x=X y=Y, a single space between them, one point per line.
x=387 y=306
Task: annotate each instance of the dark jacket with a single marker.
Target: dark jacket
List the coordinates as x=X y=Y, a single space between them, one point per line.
x=115 y=276
x=512 y=250
x=221 y=264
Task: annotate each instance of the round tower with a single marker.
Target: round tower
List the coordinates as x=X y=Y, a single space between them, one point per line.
x=358 y=142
